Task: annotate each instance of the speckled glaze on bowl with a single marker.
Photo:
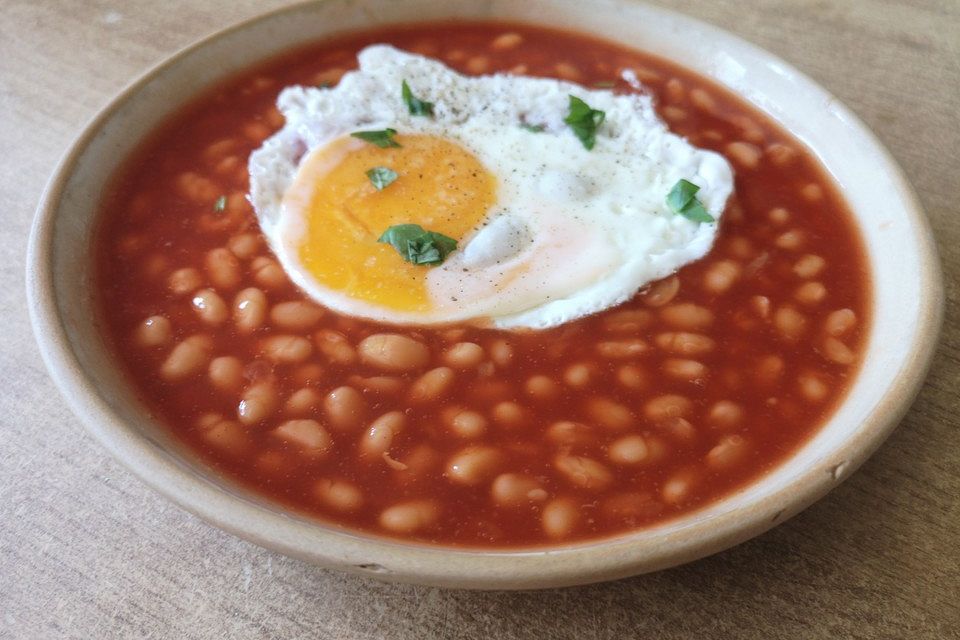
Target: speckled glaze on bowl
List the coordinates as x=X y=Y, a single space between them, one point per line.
x=908 y=297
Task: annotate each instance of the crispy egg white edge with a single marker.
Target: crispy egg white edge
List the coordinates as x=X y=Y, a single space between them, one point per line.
x=369 y=99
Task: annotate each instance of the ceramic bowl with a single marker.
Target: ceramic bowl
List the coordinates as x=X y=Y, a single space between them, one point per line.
x=907 y=305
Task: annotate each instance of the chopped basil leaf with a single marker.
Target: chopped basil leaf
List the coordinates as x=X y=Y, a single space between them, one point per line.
x=605 y=84
x=584 y=121
x=220 y=204
x=416 y=106
x=382 y=138
x=533 y=128
x=418 y=246
x=682 y=199
x=381 y=177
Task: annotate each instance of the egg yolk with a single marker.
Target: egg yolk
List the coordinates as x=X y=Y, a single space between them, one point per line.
x=440 y=186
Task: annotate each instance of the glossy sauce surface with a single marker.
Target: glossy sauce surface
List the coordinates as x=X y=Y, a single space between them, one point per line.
x=465 y=436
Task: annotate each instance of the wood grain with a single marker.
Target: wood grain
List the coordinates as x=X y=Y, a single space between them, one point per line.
x=86 y=551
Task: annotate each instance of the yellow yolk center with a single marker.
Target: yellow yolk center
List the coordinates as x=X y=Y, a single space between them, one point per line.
x=440 y=186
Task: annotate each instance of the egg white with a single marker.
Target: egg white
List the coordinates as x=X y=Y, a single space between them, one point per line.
x=572 y=231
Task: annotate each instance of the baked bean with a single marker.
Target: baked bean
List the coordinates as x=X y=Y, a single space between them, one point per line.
x=155 y=331
x=684 y=369
x=410 y=517
x=256 y=132
x=779 y=216
x=835 y=351
x=478 y=64
x=310 y=373
x=578 y=375
x=419 y=464
x=286 y=349
x=309 y=435
x=840 y=322
x=744 y=154
x=226 y=435
x=155 y=265
x=335 y=347
x=249 y=309
x=223 y=269
x=210 y=307
x=621 y=349
x=790 y=240
x=684 y=343
x=628 y=321
x=258 y=402
x=702 y=100
x=678 y=487
x=628 y=450
x=216 y=150
x=789 y=323
x=673 y=114
x=508 y=414
x=632 y=377
x=515 y=490
x=770 y=368
x=339 y=495
x=295 y=315
x=566 y=433
x=268 y=274
x=393 y=352
x=187 y=358
x=196 y=188
x=667 y=406
x=244 y=245
x=583 y=472
x=679 y=429
x=727 y=453
x=780 y=154
x=631 y=506
x=303 y=402
x=721 y=275
x=676 y=92
x=432 y=386
x=464 y=355
x=761 y=306
x=741 y=247
x=345 y=408
x=473 y=465
x=385 y=385
x=329 y=76
x=812 y=387
x=809 y=266
x=725 y=414
x=504 y=41
x=381 y=432
x=455 y=55
x=226 y=373
x=559 y=517
x=661 y=292
x=609 y=414
x=687 y=316
x=812 y=192
x=465 y=423
x=501 y=353
x=567 y=71
x=184 y=281
x=542 y=388
x=810 y=293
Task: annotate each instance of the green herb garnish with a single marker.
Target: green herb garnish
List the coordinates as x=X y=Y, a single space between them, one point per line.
x=220 y=204
x=682 y=199
x=533 y=128
x=382 y=138
x=381 y=177
x=416 y=106
x=417 y=245
x=584 y=121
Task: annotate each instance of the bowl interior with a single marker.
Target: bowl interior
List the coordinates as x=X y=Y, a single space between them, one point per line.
x=906 y=304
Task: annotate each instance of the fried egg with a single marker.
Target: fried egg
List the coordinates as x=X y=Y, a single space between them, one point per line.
x=547 y=230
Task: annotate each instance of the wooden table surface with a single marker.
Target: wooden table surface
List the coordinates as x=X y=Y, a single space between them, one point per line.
x=88 y=552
